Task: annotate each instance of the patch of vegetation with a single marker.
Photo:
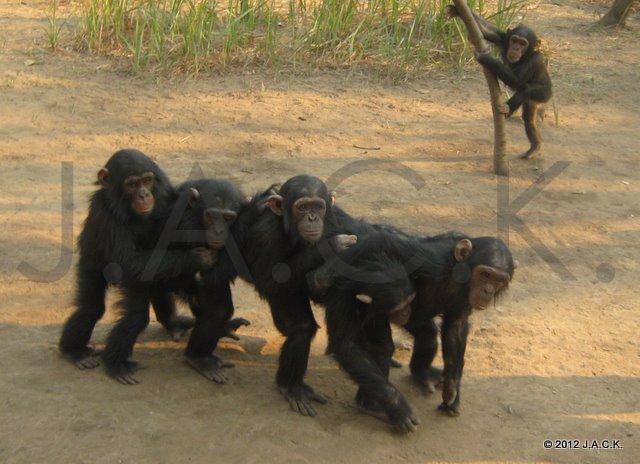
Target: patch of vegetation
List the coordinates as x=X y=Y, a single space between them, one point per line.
x=394 y=37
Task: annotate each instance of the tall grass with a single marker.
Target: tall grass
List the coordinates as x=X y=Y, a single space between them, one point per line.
x=397 y=37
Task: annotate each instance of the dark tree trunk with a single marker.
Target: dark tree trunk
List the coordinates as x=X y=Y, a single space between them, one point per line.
x=500 y=164
x=617 y=14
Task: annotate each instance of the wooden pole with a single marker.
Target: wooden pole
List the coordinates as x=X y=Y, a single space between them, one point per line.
x=500 y=164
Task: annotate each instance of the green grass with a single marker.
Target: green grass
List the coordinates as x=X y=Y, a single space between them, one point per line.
x=395 y=37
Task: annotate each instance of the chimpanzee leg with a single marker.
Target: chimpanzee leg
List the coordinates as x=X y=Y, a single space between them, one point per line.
x=293 y=317
x=213 y=310
x=376 y=342
x=529 y=116
x=454 y=343
x=362 y=362
x=164 y=306
x=79 y=327
x=425 y=347
x=124 y=335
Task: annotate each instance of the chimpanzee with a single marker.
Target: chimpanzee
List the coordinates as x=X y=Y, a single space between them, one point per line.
x=523 y=69
x=279 y=246
x=214 y=206
x=371 y=290
x=469 y=273
x=116 y=245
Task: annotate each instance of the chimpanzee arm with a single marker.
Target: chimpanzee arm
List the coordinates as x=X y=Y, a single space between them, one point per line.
x=313 y=257
x=346 y=345
x=490 y=32
x=501 y=70
x=454 y=343
x=153 y=265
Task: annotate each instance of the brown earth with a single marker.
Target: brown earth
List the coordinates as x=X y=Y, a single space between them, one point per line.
x=557 y=359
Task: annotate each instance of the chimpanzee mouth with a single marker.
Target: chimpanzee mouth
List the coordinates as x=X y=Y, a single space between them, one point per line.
x=312 y=235
x=216 y=245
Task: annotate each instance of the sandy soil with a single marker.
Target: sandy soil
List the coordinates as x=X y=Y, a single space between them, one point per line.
x=557 y=359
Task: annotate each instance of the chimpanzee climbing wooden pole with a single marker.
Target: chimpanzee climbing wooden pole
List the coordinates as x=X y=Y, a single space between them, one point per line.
x=500 y=164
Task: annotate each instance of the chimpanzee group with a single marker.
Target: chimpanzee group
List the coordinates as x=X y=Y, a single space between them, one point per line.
x=293 y=244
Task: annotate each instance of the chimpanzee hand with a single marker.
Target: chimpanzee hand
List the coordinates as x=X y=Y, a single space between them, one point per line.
x=504 y=109
x=204 y=258
x=482 y=55
x=234 y=324
x=400 y=413
x=341 y=242
x=211 y=367
x=451 y=12
x=299 y=397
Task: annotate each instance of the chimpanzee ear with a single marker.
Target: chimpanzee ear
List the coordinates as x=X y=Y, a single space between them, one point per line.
x=275 y=203
x=103 y=177
x=516 y=264
x=537 y=45
x=332 y=196
x=247 y=199
x=463 y=249
x=194 y=196
x=364 y=298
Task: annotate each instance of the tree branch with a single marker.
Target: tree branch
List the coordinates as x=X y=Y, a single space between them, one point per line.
x=500 y=164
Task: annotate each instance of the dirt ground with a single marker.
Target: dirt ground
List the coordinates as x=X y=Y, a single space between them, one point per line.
x=557 y=359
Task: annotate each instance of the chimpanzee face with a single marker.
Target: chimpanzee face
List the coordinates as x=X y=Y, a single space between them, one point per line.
x=137 y=189
x=303 y=202
x=518 y=47
x=217 y=202
x=217 y=222
x=308 y=216
x=487 y=278
x=485 y=284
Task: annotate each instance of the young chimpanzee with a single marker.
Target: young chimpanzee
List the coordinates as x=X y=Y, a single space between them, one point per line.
x=279 y=246
x=457 y=275
x=364 y=290
x=214 y=206
x=523 y=69
x=116 y=244
x=476 y=272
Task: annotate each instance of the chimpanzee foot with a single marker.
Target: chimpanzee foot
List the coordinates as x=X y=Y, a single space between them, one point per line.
x=179 y=326
x=530 y=153
x=234 y=324
x=85 y=358
x=211 y=367
x=430 y=381
x=123 y=372
x=452 y=411
x=300 y=397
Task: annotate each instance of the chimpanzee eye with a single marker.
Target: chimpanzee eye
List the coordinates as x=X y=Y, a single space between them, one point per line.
x=229 y=218
x=485 y=274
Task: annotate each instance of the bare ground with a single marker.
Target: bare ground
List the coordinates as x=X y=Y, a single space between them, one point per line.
x=557 y=359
